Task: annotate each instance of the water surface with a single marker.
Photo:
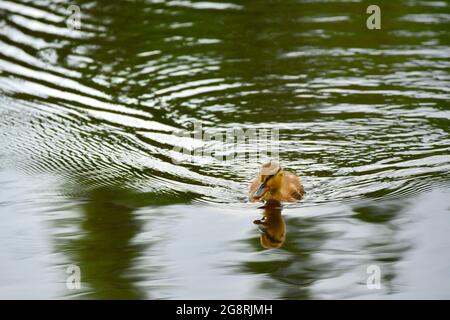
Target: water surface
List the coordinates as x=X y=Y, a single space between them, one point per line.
x=90 y=174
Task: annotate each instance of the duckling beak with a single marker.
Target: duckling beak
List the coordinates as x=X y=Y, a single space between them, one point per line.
x=262 y=189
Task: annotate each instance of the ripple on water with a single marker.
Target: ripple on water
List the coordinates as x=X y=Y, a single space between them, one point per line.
x=100 y=105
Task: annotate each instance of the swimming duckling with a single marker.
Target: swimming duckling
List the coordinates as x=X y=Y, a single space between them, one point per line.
x=273 y=183
x=272 y=226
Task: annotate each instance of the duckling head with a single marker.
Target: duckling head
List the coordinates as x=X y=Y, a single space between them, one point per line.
x=271 y=180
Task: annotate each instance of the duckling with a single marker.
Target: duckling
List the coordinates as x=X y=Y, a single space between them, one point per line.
x=273 y=183
x=272 y=226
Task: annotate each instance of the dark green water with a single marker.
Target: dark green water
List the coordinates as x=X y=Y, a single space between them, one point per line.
x=87 y=148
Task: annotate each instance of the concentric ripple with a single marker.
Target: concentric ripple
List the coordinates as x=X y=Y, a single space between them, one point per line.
x=359 y=113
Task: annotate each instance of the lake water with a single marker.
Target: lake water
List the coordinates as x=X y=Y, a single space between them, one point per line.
x=91 y=175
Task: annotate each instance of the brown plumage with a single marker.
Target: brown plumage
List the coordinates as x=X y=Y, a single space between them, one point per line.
x=274 y=184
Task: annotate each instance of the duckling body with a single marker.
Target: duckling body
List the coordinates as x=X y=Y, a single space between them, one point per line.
x=273 y=184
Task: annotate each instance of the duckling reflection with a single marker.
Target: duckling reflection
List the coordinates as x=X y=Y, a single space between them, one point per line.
x=272 y=226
